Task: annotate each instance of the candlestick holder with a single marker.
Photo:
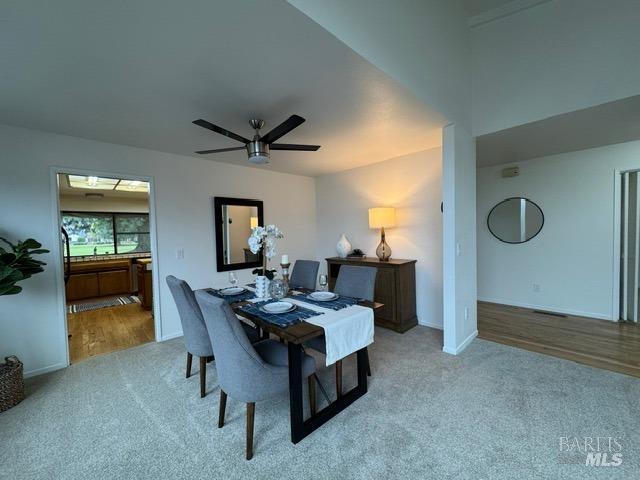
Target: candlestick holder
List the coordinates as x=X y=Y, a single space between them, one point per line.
x=285 y=273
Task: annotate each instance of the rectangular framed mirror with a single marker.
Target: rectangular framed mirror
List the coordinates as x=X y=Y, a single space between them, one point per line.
x=234 y=219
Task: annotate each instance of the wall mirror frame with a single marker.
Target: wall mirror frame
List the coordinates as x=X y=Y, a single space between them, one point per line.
x=234 y=218
x=515 y=220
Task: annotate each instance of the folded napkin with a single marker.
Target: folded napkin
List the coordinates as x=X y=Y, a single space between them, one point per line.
x=337 y=304
x=241 y=297
x=280 y=319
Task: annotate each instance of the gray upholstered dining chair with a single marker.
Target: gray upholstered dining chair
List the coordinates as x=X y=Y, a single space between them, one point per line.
x=352 y=281
x=196 y=338
x=304 y=274
x=248 y=373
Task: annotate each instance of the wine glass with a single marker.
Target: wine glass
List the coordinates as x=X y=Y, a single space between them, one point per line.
x=323 y=282
x=233 y=278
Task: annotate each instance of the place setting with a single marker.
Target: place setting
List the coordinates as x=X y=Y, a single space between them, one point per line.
x=234 y=293
x=278 y=312
x=326 y=299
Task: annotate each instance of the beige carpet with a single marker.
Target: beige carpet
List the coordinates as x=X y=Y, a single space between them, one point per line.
x=492 y=412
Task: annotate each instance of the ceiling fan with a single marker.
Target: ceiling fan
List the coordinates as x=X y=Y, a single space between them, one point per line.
x=259 y=148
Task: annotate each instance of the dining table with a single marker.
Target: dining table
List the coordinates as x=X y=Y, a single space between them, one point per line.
x=295 y=335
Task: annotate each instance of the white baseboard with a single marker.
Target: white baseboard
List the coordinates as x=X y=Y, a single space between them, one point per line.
x=171 y=336
x=462 y=346
x=545 y=308
x=437 y=326
x=40 y=371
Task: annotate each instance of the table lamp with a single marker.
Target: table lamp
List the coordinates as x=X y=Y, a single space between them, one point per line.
x=381 y=217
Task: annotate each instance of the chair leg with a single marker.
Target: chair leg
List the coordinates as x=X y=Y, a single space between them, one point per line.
x=368 y=363
x=312 y=395
x=223 y=406
x=339 y=378
x=203 y=376
x=189 y=358
x=251 y=411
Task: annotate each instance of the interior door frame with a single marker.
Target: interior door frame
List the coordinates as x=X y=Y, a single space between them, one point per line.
x=58 y=254
x=617 y=239
x=617 y=232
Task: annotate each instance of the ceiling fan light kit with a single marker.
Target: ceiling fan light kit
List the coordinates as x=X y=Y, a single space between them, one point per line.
x=259 y=149
x=258 y=152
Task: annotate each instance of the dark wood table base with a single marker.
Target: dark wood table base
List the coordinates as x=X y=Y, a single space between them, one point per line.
x=295 y=336
x=300 y=428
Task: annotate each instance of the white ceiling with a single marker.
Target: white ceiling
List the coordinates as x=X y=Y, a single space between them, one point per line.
x=606 y=124
x=476 y=7
x=137 y=73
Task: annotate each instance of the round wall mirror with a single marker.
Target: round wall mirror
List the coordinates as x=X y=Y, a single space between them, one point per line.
x=515 y=220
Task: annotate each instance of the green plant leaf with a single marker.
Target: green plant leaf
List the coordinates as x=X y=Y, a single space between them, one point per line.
x=10 y=290
x=7 y=258
x=19 y=264
x=8 y=274
x=30 y=243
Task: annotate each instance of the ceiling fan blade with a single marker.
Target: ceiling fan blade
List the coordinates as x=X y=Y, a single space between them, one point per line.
x=285 y=127
x=220 y=130
x=293 y=146
x=220 y=150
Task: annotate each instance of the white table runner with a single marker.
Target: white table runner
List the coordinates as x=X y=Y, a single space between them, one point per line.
x=346 y=331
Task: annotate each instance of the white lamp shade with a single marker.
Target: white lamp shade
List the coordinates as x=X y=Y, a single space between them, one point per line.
x=380 y=217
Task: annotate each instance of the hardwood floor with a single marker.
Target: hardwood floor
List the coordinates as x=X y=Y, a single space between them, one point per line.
x=599 y=343
x=107 y=330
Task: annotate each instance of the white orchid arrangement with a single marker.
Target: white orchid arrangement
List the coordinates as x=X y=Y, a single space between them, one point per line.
x=264 y=238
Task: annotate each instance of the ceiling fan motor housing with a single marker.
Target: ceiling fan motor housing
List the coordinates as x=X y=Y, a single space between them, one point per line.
x=258 y=152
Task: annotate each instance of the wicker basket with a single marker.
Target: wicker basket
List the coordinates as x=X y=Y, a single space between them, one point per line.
x=11 y=383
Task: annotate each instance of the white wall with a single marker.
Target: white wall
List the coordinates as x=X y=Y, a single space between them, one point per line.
x=411 y=183
x=459 y=238
x=31 y=324
x=557 y=57
x=79 y=203
x=572 y=257
x=423 y=44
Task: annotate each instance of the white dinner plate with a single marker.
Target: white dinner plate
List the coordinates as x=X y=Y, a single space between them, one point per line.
x=322 y=296
x=232 y=291
x=278 y=307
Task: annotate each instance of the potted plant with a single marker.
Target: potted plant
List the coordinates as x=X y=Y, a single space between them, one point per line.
x=16 y=264
x=264 y=238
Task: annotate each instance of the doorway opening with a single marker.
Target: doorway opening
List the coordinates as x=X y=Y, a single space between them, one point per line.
x=105 y=231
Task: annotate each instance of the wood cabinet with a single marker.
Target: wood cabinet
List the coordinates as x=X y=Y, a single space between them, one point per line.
x=99 y=278
x=114 y=282
x=395 y=288
x=145 y=285
x=82 y=285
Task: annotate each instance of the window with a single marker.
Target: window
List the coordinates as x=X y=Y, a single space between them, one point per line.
x=132 y=232
x=106 y=233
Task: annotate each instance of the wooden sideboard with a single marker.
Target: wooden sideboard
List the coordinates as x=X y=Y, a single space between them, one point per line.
x=395 y=287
